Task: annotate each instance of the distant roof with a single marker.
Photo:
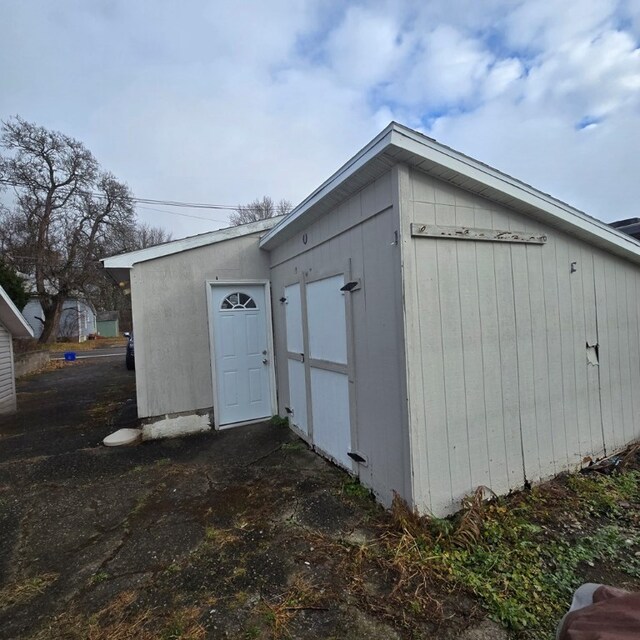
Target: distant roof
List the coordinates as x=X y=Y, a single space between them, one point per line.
x=630 y=226
x=106 y=316
x=127 y=260
x=12 y=319
x=399 y=144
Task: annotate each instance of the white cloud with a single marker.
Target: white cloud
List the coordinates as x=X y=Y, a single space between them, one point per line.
x=365 y=48
x=224 y=102
x=446 y=68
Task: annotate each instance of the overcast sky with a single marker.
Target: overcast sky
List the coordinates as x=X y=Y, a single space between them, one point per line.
x=223 y=102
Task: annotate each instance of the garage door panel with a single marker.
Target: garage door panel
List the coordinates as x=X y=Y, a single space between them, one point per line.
x=293 y=318
x=327 y=320
x=330 y=411
x=298 y=395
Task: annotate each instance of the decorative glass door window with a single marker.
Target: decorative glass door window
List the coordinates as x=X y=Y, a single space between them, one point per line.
x=238 y=300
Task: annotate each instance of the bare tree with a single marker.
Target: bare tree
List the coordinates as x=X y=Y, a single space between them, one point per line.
x=67 y=214
x=259 y=210
x=104 y=294
x=148 y=236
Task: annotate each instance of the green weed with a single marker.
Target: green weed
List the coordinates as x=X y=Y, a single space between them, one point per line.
x=100 y=576
x=296 y=445
x=354 y=489
x=278 y=421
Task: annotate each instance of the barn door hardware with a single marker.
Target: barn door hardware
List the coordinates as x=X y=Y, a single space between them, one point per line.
x=471 y=233
x=353 y=285
x=358 y=457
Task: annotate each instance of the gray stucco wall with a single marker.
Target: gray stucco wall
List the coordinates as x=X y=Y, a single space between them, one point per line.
x=363 y=230
x=170 y=323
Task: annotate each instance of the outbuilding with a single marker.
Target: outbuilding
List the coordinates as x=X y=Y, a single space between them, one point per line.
x=425 y=321
x=77 y=319
x=107 y=324
x=12 y=324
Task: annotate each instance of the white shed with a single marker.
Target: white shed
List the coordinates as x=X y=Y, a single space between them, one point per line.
x=77 y=319
x=437 y=325
x=12 y=324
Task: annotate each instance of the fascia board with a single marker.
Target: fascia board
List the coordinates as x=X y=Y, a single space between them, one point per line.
x=127 y=260
x=12 y=318
x=374 y=148
x=564 y=214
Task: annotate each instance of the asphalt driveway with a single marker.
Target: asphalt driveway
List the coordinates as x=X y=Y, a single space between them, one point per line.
x=243 y=533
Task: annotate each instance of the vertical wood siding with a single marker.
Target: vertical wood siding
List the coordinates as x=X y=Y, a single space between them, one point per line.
x=502 y=391
x=361 y=229
x=7 y=379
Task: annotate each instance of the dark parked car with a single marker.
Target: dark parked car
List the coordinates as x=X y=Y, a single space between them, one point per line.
x=129 y=357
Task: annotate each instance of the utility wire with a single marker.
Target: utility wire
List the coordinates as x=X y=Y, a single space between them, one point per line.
x=166 y=203
x=176 y=213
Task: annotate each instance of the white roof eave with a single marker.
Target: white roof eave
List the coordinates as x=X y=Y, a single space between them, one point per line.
x=414 y=148
x=12 y=319
x=127 y=260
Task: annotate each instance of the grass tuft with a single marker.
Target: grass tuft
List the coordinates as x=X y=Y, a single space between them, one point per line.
x=18 y=593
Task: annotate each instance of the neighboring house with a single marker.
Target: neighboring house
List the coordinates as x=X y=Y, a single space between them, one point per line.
x=77 y=321
x=425 y=321
x=12 y=325
x=107 y=324
x=630 y=226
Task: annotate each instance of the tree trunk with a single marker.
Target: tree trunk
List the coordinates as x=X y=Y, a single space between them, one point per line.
x=52 y=311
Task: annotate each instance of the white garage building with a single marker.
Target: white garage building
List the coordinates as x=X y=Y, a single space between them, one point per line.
x=424 y=320
x=12 y=324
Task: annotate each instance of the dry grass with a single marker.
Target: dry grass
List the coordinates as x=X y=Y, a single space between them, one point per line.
x=87 y=345
x=469 y=529
x=24 y=591
x=280 y=611
x=52 y=365
x=220 y=537
x=407 y=553
x=122 y=619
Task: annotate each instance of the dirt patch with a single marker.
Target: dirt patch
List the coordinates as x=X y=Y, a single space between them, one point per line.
x=246 y=533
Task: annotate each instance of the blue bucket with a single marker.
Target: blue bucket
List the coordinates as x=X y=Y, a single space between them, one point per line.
x=69 y=355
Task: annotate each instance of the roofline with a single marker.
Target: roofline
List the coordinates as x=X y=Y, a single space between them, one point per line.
x=474 y=169
x=127 y=260
x=366 y=154
x=11 y=317
x=397 y=137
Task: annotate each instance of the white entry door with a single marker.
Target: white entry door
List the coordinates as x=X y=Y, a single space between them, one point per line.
x=242 y=359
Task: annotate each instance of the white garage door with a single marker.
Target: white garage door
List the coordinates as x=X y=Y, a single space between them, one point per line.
x=327 y=324
x=318 y=363
x=7 y=381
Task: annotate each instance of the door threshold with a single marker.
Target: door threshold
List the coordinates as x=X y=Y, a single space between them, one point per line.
x=233 y=425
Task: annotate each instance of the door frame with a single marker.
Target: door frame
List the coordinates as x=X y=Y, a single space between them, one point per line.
x=212 y=349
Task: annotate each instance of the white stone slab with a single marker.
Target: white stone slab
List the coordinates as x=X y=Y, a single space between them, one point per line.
x=122 y=437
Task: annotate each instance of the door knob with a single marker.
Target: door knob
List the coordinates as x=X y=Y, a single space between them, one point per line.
x=265 y=361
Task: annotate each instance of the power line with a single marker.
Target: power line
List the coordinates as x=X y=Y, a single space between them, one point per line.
x=185 y=215
x=189 y=205
x=166 y=203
